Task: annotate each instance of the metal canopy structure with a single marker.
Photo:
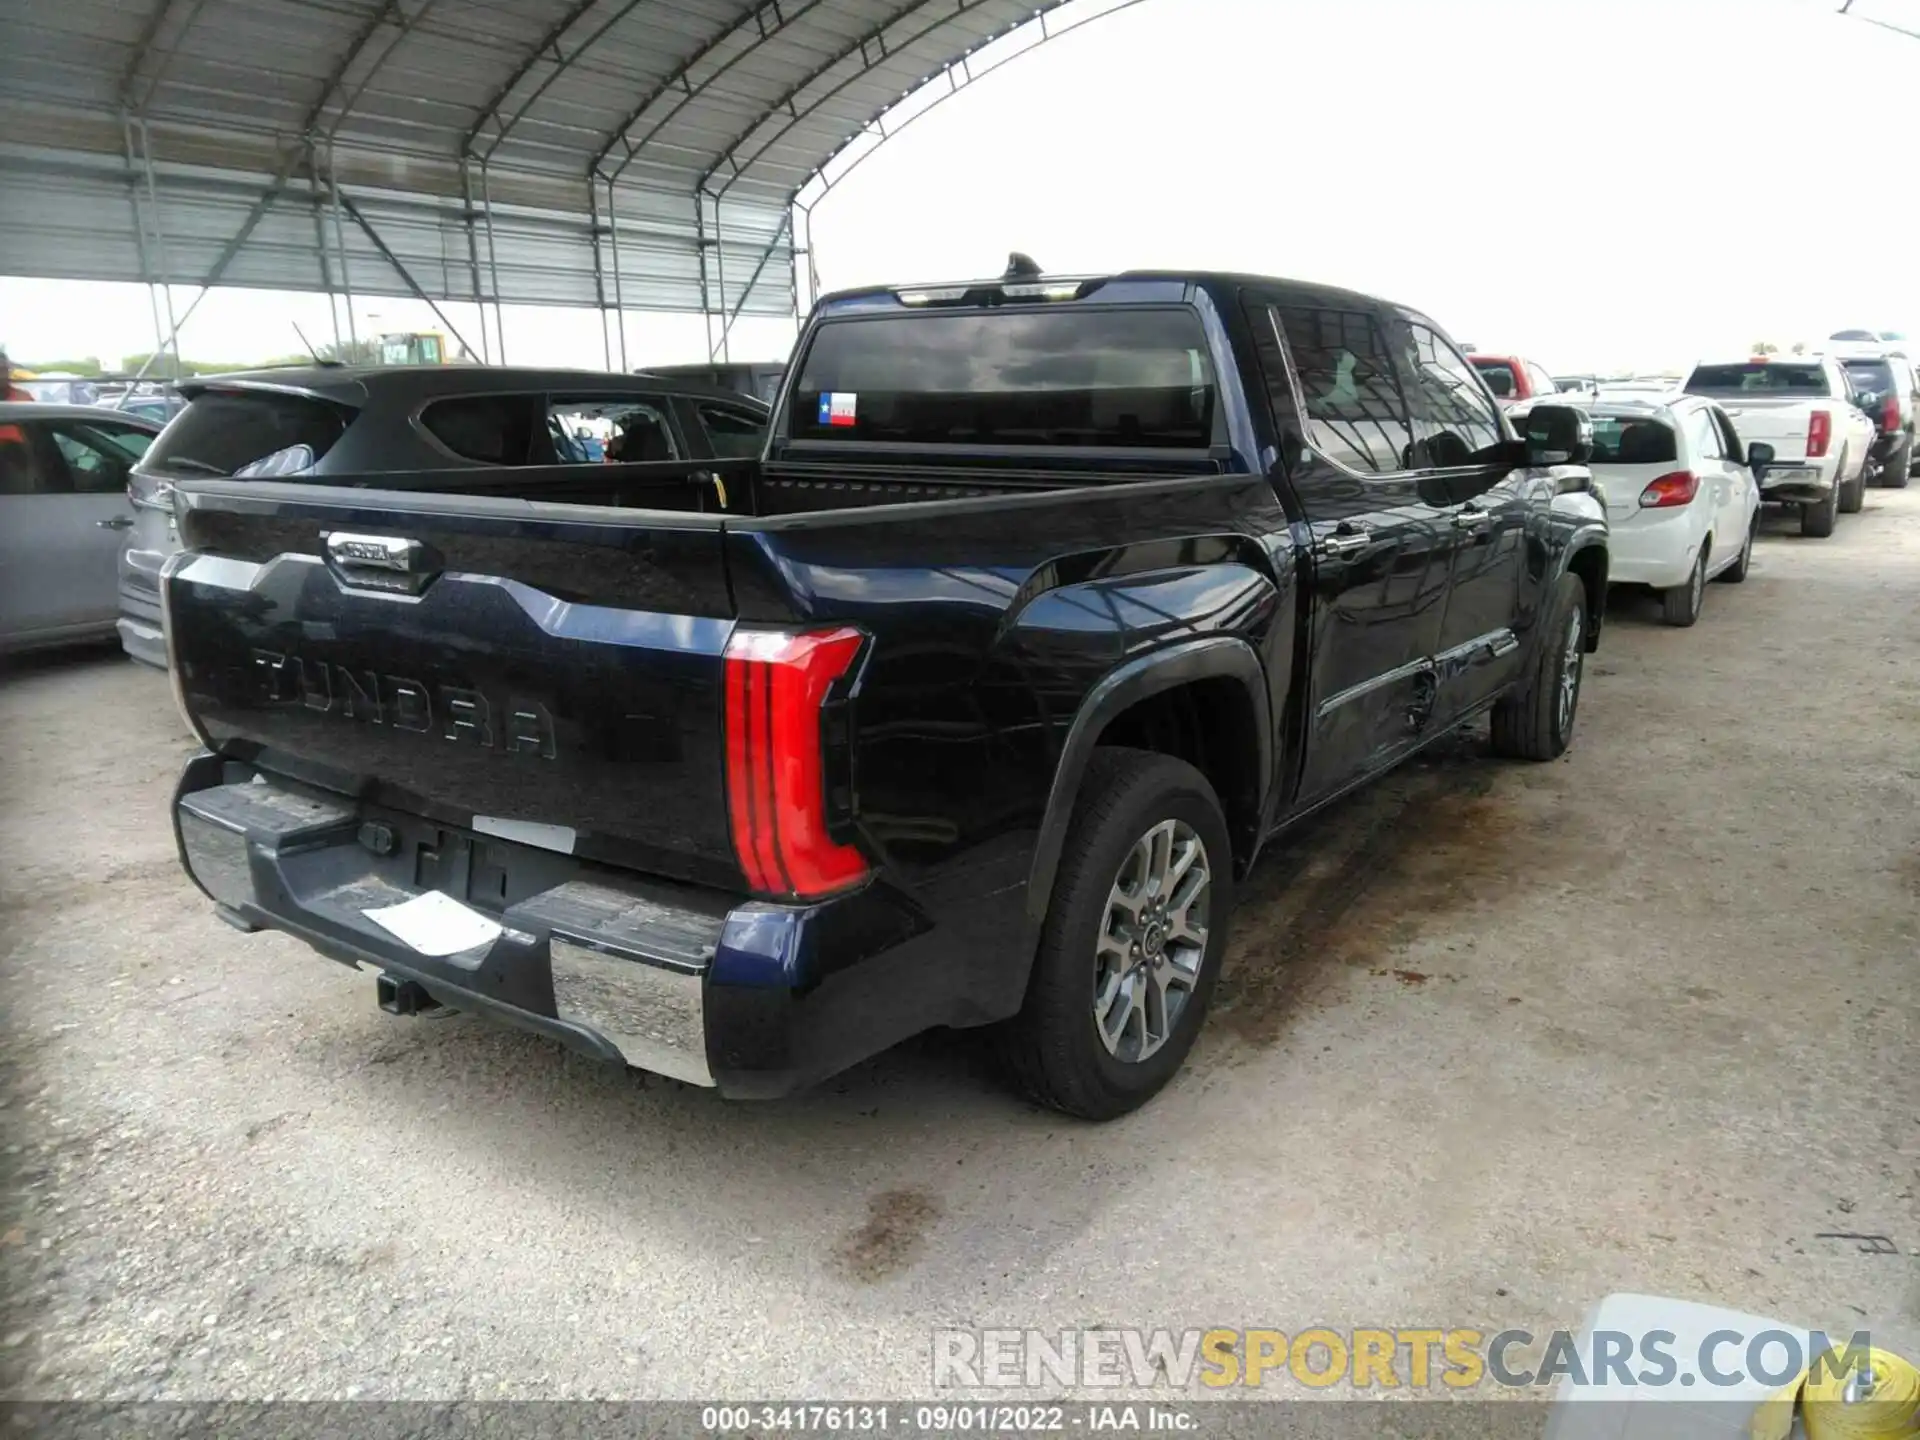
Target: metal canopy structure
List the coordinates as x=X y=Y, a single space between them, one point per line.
x=652 y=155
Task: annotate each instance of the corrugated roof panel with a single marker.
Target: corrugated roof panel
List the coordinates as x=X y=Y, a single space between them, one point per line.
x=745 y=96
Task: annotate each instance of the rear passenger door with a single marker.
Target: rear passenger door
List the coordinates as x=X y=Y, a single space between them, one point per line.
x=731 y=432
x=1380 y=554
x=1466 y=475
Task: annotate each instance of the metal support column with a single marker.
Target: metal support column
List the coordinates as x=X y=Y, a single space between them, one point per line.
x=700 y=240
x=493 y=263
x=140 y=232
x=796 y=216
x=160 y=239
x=473 y=257
x=316 y=203
x=804 y=295
x=346 y=269
x=619 y=290
x=720 y=239
x=599 y=278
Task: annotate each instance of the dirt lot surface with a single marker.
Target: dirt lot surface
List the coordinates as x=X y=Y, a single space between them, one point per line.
x=1495 y=1041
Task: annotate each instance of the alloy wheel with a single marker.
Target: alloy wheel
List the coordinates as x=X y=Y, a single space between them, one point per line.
x=1570 y=663
x=1152 y=942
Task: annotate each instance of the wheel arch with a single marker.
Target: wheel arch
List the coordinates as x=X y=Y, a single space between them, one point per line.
x=1589 y=561
x=1153 y=702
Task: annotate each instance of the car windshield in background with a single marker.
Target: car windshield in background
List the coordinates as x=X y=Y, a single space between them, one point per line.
x=1757 y=377
x=1135 y=379
x=1499 y=377
x=1633 y=440
x=247 y=433
x=1873 y=377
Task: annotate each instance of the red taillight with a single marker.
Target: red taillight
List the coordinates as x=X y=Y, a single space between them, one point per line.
x=1819 y=432
x=1890 y=416
x=777 y=683
x=1675 y=489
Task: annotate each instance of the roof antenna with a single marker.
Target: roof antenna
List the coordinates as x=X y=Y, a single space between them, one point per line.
x=309 y=344
x=1021 y=266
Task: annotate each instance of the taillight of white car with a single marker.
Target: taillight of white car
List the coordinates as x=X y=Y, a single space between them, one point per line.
x=1676 y=488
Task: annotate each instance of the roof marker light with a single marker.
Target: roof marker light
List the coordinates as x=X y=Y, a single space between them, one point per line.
x=1056 y=291
x=944 y=296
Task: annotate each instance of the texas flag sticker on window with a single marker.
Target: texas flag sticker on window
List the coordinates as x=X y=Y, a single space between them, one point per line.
x=837 y=407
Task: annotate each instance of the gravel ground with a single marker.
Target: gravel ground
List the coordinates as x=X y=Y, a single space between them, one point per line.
x=1494 y=1042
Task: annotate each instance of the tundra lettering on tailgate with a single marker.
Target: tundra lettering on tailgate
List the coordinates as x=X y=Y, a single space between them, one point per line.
x=521 y=727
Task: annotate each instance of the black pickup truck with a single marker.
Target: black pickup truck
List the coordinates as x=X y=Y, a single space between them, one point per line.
x=966 y=703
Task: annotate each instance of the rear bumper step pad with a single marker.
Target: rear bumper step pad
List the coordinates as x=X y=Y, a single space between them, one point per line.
x=617 y=972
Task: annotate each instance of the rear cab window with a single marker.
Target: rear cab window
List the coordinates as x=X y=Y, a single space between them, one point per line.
x=247 y=434
x=1357 y=413
x=1137 y=378
x=1758 y=377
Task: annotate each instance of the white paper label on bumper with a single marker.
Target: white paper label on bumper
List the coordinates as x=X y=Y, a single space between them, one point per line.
x=435 y=924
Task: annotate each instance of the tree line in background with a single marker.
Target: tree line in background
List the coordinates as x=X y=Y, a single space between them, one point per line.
x=170 y=367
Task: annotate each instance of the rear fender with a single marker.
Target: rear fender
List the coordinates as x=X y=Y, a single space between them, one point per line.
x=1214 y=657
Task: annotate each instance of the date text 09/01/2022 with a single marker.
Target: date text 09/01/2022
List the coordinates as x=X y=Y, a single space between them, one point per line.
x=944 y=1418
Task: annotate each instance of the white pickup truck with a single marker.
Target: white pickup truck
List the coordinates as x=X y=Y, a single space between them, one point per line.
x=1803 y=407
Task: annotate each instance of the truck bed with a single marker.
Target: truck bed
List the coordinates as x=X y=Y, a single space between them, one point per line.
x=571 y=645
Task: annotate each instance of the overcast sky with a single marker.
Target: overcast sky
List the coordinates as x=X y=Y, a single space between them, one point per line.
x=1594 y=183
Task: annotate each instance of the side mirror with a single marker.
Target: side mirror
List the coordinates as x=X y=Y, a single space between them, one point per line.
x=1557 y=435
x=1759 y=457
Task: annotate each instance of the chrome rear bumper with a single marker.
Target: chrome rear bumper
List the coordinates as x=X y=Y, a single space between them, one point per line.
x=616 y=971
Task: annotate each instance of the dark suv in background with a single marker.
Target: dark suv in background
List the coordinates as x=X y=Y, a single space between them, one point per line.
x=339 y=424
x=1889 y=394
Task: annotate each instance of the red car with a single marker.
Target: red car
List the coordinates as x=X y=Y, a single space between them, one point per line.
x=1513 y=379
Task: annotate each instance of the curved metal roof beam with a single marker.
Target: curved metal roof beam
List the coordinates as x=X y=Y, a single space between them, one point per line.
x=547 y=49
x=874 y=37
x=388 y=13
x=149 y=33
x=784 y=14
x=969 y=74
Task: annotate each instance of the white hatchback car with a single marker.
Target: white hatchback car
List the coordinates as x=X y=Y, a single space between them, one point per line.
x=1683 y=506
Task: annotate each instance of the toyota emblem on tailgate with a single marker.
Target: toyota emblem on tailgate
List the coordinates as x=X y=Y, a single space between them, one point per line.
x=376 y=552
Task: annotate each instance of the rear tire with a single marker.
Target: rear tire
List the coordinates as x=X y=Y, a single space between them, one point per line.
x=1899 y=467
x=1054 y=1048
x=1816 y=520
x=1737 y=571
x=1853 y=498
x=1680 y=604
x=1535 y=721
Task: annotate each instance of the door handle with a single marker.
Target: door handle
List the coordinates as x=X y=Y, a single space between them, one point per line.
x=1471 y=517
x=118 y=522
x=1348 y=540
